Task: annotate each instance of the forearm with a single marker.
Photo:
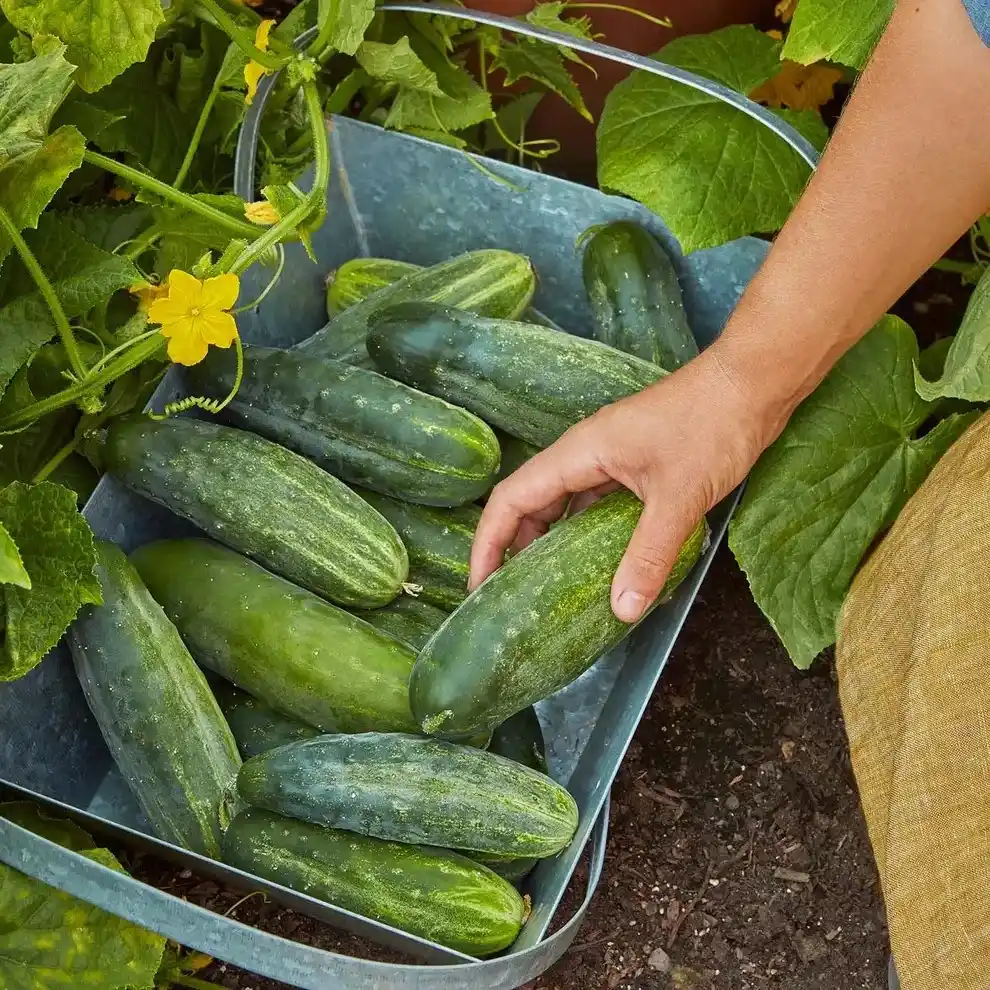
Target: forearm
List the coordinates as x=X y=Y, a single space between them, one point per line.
x=906 y=172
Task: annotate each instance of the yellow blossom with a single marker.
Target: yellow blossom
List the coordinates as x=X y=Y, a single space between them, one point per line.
x=263 y=214
x=775 y=34
x=146 y=294
x=785 y=10
x=255 y=71
x=799 y=87
x=195 y=315
x=119 y=194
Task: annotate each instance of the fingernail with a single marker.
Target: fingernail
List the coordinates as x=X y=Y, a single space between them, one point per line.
x=629 y=606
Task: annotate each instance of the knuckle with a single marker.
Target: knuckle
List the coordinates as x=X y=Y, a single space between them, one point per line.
x=650 y=559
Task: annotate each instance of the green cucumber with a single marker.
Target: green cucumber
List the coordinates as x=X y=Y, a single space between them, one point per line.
x=304 y=657
x=358 y=278
x=515 y=453
x=635 y=296
x=264 y=501
x=155 y=710
x=520 y=738
x=433 y=893
x=512 y=868
x=438 y=542
x=527 y=380
x=407 y=619
x=489 y=283
x=409 y=788
x=256 y=726
x=535 y=625
x=359 y=425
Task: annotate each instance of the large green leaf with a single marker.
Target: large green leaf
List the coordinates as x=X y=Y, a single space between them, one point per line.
x=542 y=63
x=838 y=30
x=51 y=941
x=104 y=37
x=11 y=566
x=349 y=19
x=709 y=170
x=397 y=64
x=966 y=374
x=841 y=471
x=59 y=556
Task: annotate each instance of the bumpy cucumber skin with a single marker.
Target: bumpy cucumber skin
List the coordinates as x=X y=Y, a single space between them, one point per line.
x=358 y=278
x=359 y=425
x=438 y=542
x=490 y=283
x=635 y=296
x=282 y=644
x=407 y=619
x=433 y=893
x=409 y=788
x=264 y=501
x=520 y=738
x=530 y=381
x=256 y=726
x=535 y=625
x=514 y=870
x=155 y=709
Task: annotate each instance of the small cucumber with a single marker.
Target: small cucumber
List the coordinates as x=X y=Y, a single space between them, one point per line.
x=256 y=726
x=407 y=619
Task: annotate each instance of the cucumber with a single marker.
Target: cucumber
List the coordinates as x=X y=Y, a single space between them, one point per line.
x=438 y=542
x=433 y=893
x=635 y=295
x=489 y=283
x=407 y=619
x=358 y=278
x=535 y=625
x=360 y=426
x=155 y=710
x=409 y=788
x=520 y=738
x=515 y=453
x=304 y=657
x=513 y=869
x=256 y=726
x=264 y=501
x=529 y=381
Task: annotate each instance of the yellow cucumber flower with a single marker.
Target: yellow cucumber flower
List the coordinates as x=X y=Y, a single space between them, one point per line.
x=262 y=213
x=146 y=294
x=195 y=315
x=254 y=71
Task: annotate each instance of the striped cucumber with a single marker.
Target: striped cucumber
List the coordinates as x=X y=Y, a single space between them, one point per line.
x=264 y=501
x=535 y=625
x=433 y=893
x=529 y=381
x=155 y=709
x=489 y=283
x=438 y=542
x=359 y=425
x=635 y=295
x=256 y=726
x=407 y=619
x=409 y=788
x=304 y=657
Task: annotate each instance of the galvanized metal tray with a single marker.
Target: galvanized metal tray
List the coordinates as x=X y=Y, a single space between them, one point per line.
x=400 y=197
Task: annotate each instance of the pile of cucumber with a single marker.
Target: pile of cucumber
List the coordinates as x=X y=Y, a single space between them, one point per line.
x=305 y=690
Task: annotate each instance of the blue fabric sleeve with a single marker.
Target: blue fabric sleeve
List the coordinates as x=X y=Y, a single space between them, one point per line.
x=979 y=14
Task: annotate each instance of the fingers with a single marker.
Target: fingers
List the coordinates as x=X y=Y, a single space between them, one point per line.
x=662 y=529
x=522 y=506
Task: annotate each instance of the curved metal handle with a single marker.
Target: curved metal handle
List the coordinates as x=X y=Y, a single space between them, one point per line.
x=248 y=141
x=270 y=955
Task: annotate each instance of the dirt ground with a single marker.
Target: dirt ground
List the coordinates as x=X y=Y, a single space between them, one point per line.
x=737 y=856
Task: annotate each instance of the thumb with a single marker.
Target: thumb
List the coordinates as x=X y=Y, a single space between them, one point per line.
x=662 y=529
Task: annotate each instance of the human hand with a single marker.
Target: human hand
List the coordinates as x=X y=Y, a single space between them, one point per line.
x=680 y=445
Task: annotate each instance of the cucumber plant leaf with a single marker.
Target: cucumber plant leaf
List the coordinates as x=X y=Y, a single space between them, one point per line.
x=11 y=566
x=550 y=16
x=50 y=940
x=838 y=475
x=966 y=373
x=103 y=37
x=397 y=64
x=57 y=548
x=837 y=32
x=346 y=21
x=709 y=170
x=544 y=64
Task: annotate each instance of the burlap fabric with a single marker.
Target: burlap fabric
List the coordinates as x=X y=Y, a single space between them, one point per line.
x=913 y=660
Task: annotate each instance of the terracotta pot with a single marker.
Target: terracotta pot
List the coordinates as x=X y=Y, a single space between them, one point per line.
x=554 y=118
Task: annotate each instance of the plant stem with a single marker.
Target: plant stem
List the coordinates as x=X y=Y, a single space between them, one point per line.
x=53 y=462
x=661 y=21
x=321 y=179
x=239 y=36
x=204 y=116
x=240 y=227
x=130 y=359
x=47 y=293
x=957 y=267
x=141 y=244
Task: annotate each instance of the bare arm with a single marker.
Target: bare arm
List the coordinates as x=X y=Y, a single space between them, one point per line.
x=906 y=172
